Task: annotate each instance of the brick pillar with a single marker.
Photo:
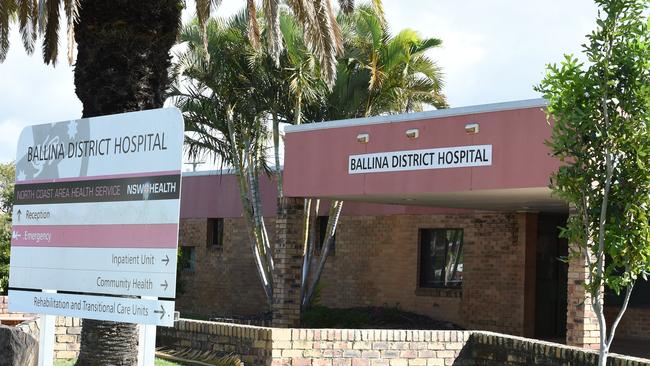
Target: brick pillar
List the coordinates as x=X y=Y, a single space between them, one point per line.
x=581 y=323
x=528 y=233
x=288 y=263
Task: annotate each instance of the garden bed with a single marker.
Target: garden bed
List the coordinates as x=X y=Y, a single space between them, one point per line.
x=371 y=318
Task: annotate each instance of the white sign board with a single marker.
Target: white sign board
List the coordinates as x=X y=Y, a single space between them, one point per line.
x=440 y=158
x=96 y=211
x=140 y=311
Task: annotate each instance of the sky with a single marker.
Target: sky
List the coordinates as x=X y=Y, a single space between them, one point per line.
x=492 y=51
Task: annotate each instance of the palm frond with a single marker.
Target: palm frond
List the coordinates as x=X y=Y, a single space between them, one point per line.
x=7 y=9
x=347 y=6
x=71 y=8
x=379 y=9
x=322 y=33
x=273 y=32
x=51 y=39
x=426 y=44
x=253 y=26
x=25 y=21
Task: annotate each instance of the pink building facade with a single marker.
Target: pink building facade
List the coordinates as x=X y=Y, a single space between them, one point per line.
x=447 y=213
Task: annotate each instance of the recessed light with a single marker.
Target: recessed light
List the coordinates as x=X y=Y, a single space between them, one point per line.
x=471 y=128
x=363 y=138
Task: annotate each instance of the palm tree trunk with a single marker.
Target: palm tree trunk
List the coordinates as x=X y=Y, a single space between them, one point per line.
x=123 y=54
x=122 y=63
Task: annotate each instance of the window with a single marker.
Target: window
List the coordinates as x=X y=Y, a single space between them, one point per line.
x=640 y=297
x=441 y=257
x=187 y=258
x=215 y=233
x=321 y=226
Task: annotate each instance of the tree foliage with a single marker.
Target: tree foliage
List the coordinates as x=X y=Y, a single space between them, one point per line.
x=601 y=133
x=232 y=97
x=380 y=73
x=41 y=18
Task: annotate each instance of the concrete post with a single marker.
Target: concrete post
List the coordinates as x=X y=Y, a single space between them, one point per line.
x=288 y=263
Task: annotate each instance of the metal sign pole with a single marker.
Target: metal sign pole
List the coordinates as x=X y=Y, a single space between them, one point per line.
x=46 y=324
x=147 y=341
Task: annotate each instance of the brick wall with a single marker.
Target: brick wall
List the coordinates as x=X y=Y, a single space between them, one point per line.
x=67 y=333
x=225 y=281
x=336 y=347
x=341 y=347
x=634 y=324
x=252 y=344
x=493 y=349
x=375 y=264
x=287 y=254
x=582 y=323
x=318 y=347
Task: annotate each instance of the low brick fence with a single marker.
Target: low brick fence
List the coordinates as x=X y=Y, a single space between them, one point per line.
x=492 y=349
x=253 y=344
x=337 y=347
x=264 y=346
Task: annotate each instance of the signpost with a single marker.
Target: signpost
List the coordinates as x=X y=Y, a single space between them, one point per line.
x=95 y=219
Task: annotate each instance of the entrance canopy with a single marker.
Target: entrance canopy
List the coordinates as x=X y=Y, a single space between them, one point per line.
x=488 y=157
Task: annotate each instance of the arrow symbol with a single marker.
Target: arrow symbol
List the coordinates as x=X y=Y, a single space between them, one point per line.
x=166 y=260
x=18 y=213
x=15 y=235
x=161 y=312
x=165 y=285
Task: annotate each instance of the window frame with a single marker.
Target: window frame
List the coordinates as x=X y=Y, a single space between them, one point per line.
x=219 y=221
x=190 y=260
x=437 y=289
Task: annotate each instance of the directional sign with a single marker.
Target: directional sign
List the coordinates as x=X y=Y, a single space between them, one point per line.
x=151 y=312
x=96 y=211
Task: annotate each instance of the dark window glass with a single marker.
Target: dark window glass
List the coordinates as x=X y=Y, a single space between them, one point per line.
x=321 y=225
x=640 y=295
x=441 y=257
x=215 y=233
x=187 y=258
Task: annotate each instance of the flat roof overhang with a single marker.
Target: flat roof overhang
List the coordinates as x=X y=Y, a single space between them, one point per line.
x=317 y=159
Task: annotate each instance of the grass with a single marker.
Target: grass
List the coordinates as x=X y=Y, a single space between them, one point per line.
x=158 y=362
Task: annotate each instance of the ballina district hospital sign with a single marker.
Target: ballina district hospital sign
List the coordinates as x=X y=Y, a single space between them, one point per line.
x=95 y=220
x=440 y=158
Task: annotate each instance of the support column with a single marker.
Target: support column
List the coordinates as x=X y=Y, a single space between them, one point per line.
x=528 y=222
x=581 y=322
x=288 y=263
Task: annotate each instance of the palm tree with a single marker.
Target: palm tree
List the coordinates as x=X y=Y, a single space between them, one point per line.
x=225 y=103
x=380 y=73
x=122 y=65
x=231 y=128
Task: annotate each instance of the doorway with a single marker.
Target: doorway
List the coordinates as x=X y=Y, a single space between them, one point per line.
x=551 y=278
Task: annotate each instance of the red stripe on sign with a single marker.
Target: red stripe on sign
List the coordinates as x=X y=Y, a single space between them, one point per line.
x=96 y=177
x=96 y=236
